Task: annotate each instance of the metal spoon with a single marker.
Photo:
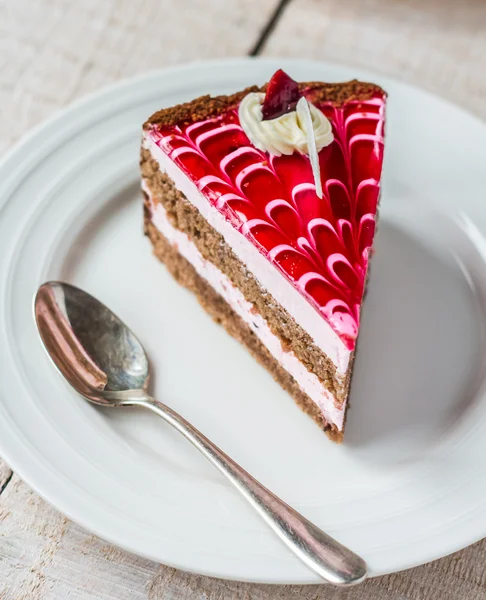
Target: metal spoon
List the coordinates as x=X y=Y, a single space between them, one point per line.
x=104 y=361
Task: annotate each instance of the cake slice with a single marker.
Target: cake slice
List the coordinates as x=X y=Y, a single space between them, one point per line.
x=264 y=204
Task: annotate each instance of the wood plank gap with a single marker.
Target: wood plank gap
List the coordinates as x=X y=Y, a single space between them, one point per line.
x=269 y=27
x=6 y=482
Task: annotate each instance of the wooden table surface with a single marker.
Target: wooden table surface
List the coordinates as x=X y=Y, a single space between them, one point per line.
x=53 y=51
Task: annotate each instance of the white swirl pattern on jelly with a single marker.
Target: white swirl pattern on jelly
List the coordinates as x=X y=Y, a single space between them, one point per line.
x=320 y=245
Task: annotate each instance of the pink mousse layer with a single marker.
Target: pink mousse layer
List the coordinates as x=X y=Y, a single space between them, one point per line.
x=306 y=380
x=320 y=246
x=267 y=274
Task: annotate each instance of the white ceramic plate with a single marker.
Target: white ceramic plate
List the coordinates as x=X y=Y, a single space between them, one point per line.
x=409 y=483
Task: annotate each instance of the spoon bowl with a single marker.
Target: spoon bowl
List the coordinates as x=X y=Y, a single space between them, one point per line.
x=92 y=348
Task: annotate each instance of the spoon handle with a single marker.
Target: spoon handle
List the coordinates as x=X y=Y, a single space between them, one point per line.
x=332 y=561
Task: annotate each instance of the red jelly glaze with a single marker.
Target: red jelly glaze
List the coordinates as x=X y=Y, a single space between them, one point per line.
x=321 y=245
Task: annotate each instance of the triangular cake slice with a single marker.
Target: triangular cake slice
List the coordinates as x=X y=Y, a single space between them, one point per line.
x=264 y=204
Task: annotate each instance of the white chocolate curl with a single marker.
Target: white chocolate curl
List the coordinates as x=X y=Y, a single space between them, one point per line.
x=287 y=133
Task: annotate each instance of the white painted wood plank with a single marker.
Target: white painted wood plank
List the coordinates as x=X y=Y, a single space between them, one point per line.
x=53 y=51
x=439 y=45
x=44 y=555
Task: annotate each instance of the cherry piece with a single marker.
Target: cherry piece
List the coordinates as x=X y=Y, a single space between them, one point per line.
x=281 y=97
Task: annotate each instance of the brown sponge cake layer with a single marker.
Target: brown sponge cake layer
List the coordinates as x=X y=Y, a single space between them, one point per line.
x=223 y=314
x=212 y=246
